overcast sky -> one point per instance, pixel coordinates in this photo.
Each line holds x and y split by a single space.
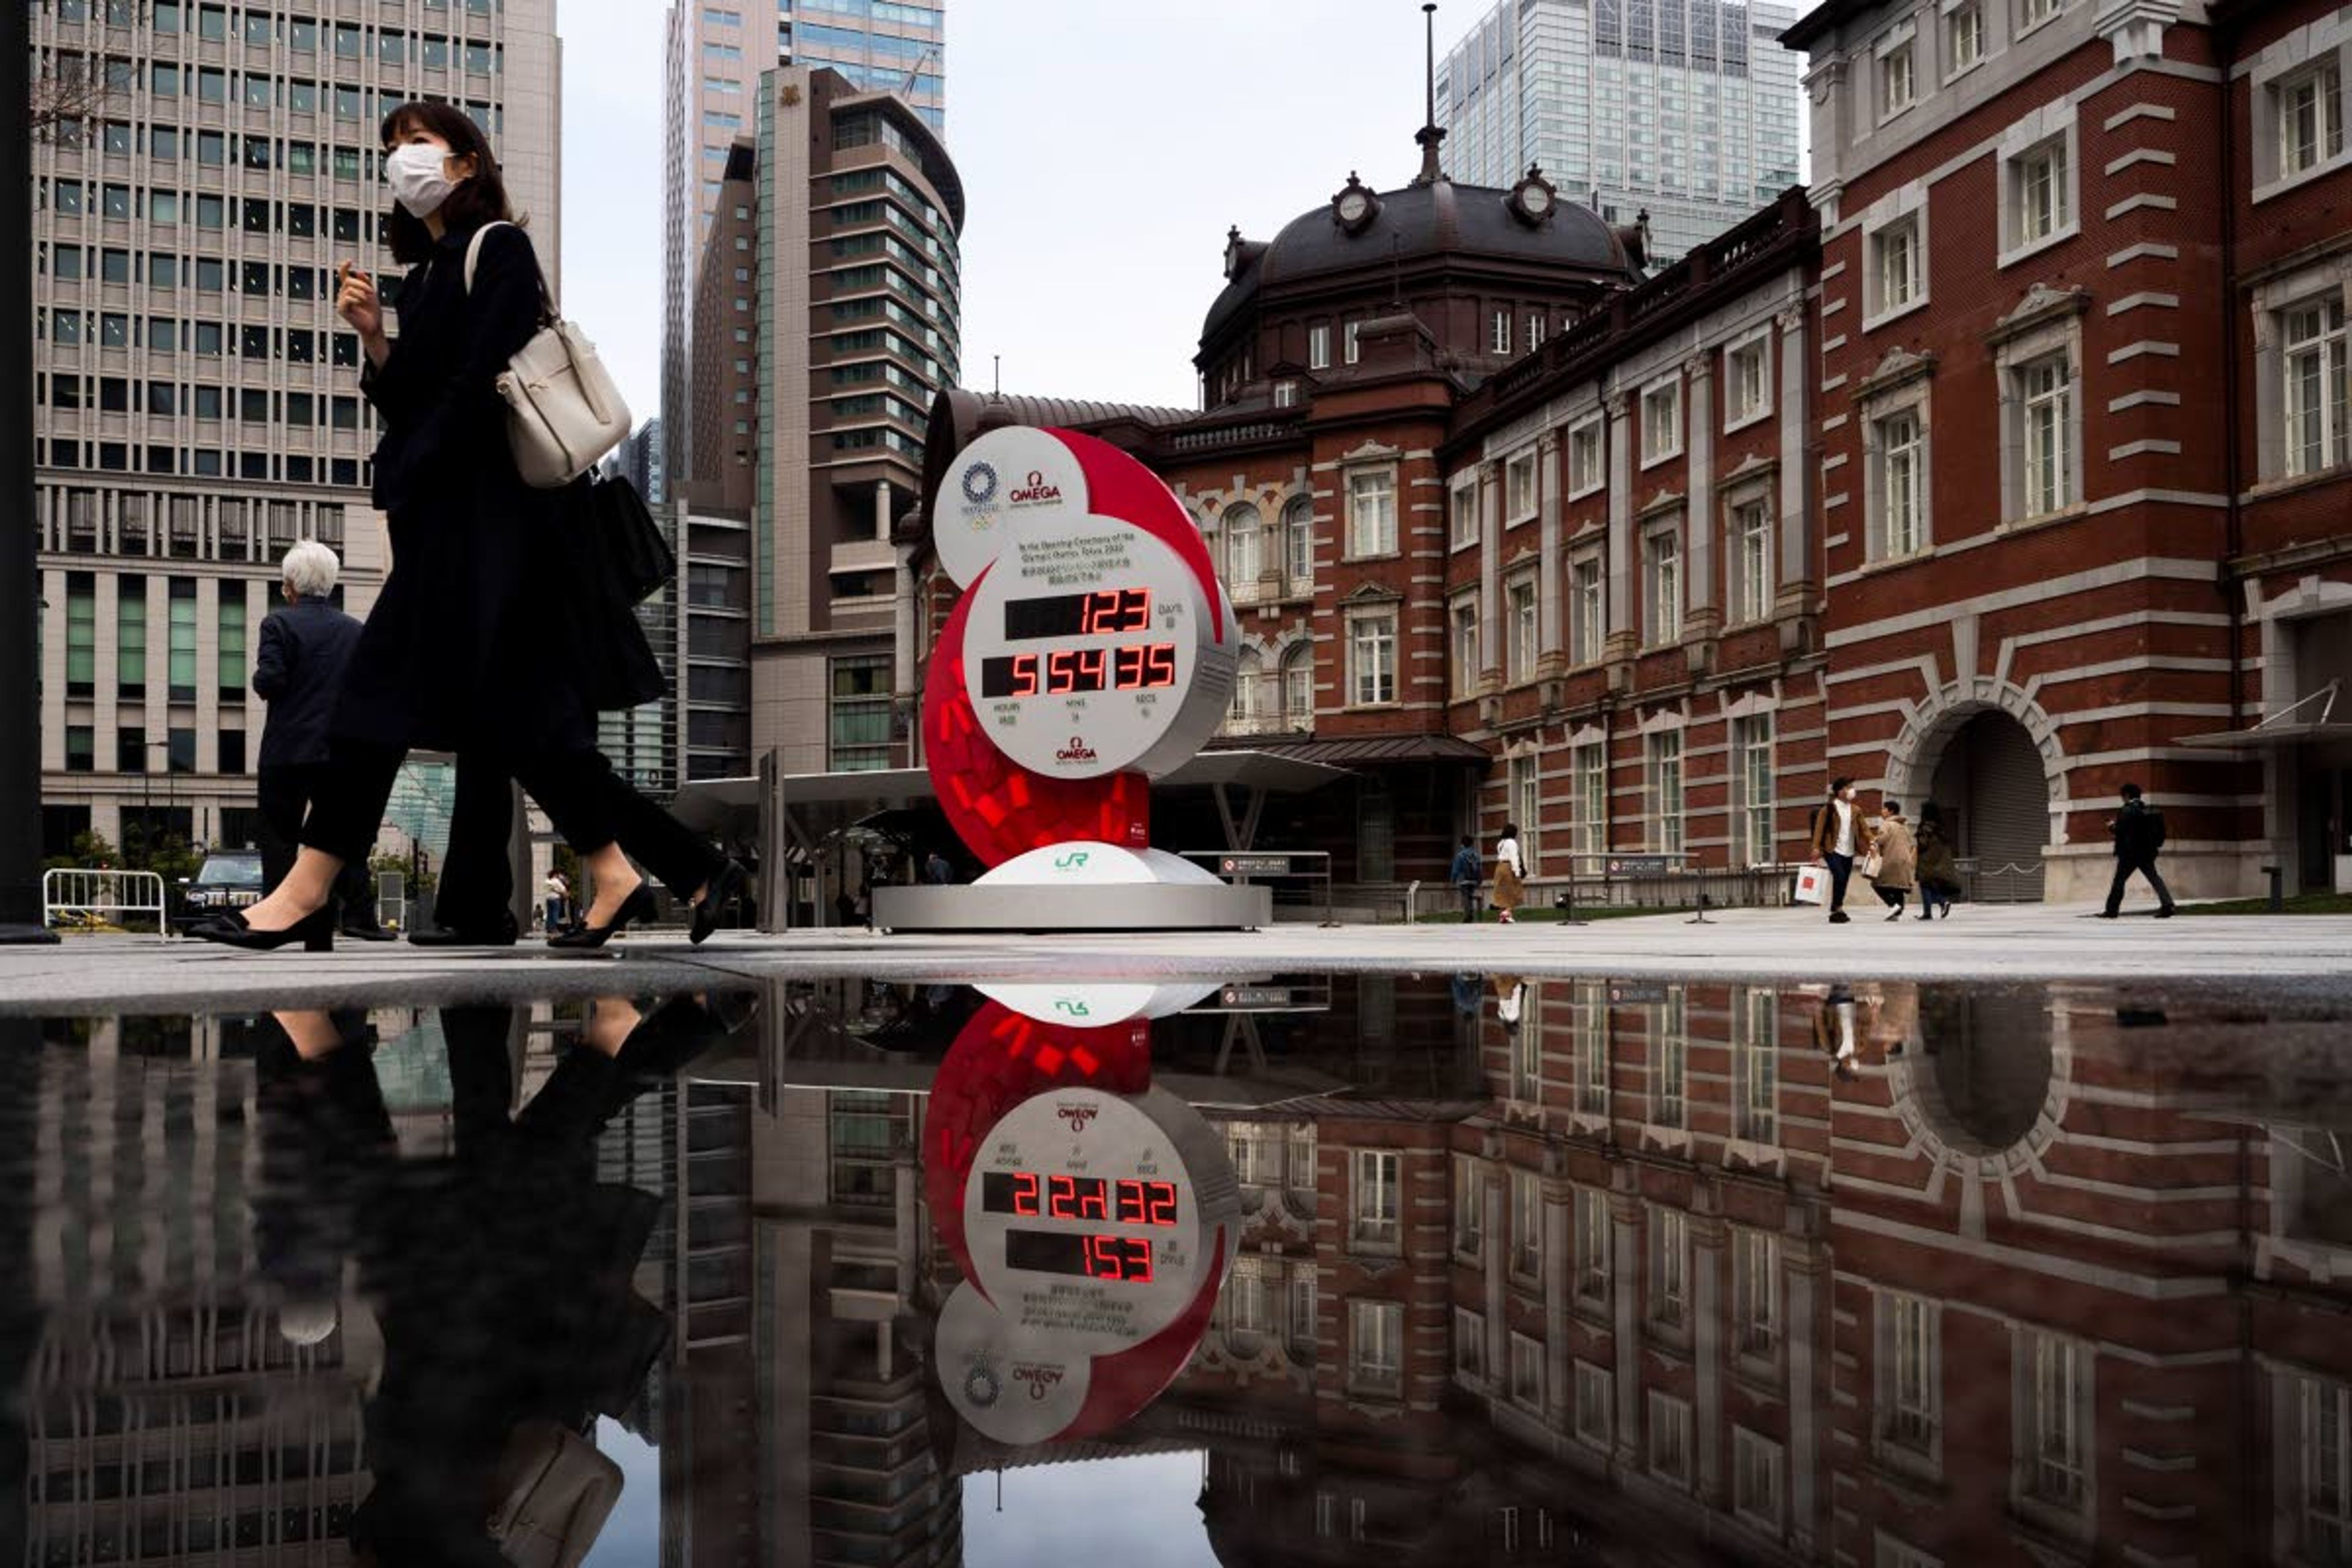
1105 147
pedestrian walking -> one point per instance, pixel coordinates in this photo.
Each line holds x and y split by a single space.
1840 837
482 637
1939 873
298 670
2139 832
1510 875
1893 858
1465 875
559 896
473 900
937 871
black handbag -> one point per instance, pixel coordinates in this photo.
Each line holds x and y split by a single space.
637 557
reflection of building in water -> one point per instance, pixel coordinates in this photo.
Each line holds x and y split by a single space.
168 1416
2070 1301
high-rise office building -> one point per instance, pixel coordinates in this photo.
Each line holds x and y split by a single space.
197 402
856 297
1686 109
715 54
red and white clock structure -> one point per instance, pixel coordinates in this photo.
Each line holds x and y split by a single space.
1093 1216
1093 650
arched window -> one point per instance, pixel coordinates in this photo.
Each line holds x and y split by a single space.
1298 544
1244 555
1298 688
1249 694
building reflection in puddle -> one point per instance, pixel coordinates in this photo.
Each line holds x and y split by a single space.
1461 1268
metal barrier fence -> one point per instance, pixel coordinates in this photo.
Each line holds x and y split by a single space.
73 899
1311 867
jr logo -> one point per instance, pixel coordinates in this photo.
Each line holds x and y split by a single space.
1073 1007
1076 860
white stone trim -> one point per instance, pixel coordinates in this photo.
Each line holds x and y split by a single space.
2138 448
2145 396
2308 47
2146 300
2052 124
2138 155
2130 253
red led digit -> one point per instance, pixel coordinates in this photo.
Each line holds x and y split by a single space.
1025 1193
1160 663
1024 675
1061 1198
1091 1204
1127 668
1131 1210
1061 671
1135 609
1104 1258
1164 1203
1090 668
1139 1259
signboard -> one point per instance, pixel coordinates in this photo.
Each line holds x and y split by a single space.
1253 866
1643 864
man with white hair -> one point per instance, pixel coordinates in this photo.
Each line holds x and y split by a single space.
298 671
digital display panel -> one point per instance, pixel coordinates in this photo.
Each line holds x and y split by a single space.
1030 1194
1138 666
1122 1259
1107 610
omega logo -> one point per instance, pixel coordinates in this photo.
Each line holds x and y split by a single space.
1077 751
1035 490
1077 1116
1038 1378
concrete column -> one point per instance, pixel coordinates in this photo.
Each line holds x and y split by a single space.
1795 410
1708 1238
1558 1253
1497 1259
106 692
1490 577
1626 1303
1619 641
1551 643
882 510
208 597
1701 618
902 627
1805 1269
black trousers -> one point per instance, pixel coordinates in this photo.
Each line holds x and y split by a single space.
588 803
2146 866
477 885
1841 873
1893 898
1469 901
283 792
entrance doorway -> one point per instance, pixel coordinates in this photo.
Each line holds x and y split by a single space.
1995 801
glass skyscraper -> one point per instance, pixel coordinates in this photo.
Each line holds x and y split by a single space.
1688 109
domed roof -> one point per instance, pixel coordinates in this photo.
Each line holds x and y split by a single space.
1423 219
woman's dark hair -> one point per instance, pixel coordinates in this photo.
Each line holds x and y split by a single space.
475 202
1510 830
1837 786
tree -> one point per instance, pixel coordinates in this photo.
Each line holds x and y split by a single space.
72 87
90 852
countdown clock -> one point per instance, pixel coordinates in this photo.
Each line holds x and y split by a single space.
1093 648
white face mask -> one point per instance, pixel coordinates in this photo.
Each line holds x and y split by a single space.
414 172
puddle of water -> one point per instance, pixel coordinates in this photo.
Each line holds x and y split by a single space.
1463 1267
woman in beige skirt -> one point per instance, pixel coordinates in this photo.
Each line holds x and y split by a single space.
1510 876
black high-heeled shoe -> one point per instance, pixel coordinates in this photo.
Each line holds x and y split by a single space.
638 906
726 884
315 931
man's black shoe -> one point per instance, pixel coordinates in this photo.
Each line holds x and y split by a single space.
367 933
503 934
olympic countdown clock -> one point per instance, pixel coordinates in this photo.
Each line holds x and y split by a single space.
1092 650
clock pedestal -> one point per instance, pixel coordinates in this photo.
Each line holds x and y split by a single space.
1081 886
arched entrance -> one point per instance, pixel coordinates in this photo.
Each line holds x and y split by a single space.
1991 785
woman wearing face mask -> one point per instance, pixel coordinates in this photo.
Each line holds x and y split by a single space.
467 647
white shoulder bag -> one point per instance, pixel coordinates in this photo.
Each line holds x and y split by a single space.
563 410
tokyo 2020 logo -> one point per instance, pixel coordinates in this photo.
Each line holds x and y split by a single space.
979 484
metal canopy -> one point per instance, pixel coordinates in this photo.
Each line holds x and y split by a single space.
2263 737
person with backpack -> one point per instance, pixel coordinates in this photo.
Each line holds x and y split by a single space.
2139 834
1939 871
1465 877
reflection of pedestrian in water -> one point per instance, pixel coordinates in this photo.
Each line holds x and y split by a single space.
1469 992
500 1278
1510 1002
1837 1028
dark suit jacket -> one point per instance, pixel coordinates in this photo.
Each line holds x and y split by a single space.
299 673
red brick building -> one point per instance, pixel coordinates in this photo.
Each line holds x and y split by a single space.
2011 463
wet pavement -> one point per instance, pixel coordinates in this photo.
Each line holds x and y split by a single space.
1435 1268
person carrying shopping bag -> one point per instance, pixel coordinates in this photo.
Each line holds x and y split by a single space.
1840 837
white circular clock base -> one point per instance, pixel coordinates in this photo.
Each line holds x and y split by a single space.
1083 885
1131 907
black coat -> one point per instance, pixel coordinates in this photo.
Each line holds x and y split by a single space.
481 636
2136 832
298 671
